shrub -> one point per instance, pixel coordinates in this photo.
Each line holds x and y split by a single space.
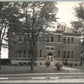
75 64
70 64
65 62
58 65
47 63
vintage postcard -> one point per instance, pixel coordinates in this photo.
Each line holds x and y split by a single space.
42 42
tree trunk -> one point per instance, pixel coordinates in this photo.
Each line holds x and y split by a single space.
32 55
32 59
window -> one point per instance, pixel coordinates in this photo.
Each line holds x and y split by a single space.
47 48
29 63
58 38
51 59
68 54
72 54
59 54
52 39
19 53
52 48
64 40
40 63
40 53
20 38
48 58
58 26
47 38
29 53
24 53
68 40
72 39
64 28
64 56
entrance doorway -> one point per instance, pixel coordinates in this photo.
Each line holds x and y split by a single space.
50 57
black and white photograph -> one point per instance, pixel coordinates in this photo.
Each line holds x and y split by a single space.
42 42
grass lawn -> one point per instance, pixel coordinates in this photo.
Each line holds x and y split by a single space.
9 69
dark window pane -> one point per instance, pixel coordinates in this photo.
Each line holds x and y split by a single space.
68 54
64 54
20 39
47 38
58 38
72 39
47 48
20 53
52 48
51 58
40 53
59 54
68 41
52 39
24 53
72 54
64 40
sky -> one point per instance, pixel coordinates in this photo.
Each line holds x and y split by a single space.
65 14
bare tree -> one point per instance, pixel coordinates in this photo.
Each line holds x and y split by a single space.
30 17
38 16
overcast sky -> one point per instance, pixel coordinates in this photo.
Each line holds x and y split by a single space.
65 13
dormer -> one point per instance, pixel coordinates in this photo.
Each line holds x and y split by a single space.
61 27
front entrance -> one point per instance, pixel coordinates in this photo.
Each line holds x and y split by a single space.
50 58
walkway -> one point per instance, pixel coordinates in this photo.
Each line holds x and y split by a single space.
73 70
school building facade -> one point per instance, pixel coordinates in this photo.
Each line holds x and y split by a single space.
61 45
